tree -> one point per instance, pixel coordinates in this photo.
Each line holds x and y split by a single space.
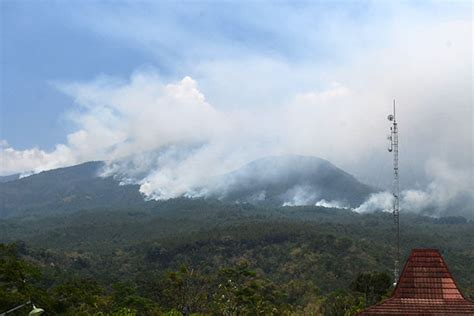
81 296
186 290
18 279
374 285
242 292
342 303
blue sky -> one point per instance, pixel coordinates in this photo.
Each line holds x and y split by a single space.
40 44
49 41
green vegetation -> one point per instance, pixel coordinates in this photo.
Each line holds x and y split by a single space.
206 257
270 181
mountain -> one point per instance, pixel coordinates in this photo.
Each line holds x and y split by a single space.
271 181
119 253
9 178
66 189
291 180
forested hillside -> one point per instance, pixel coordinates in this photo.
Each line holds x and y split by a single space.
235 158
65 190
290 180
208 257
270 181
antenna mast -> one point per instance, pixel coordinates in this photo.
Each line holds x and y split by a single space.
393 138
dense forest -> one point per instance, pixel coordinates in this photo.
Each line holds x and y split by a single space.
196 257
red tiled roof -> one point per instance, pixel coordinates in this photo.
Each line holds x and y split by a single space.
426 287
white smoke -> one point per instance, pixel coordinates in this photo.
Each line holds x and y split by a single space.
33 160
331 204
301 195
382 201
168 136
448 193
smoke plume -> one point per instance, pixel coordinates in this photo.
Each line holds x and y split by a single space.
171 135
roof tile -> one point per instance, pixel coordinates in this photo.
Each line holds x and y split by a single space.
426 287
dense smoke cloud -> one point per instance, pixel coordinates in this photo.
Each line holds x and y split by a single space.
448 193
171 135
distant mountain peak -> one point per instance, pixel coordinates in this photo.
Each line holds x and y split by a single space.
290 180
273 181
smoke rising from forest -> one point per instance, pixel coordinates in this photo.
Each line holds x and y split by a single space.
173 134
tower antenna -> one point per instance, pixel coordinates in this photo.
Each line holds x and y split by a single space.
393 148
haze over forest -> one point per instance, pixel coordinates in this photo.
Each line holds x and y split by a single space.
230 158
204 89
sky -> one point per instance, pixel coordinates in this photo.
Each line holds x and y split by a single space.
233 81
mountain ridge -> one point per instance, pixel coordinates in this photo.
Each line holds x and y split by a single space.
292 180
271 181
